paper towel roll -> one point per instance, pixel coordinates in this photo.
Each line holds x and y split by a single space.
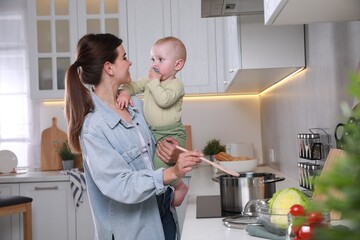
240 149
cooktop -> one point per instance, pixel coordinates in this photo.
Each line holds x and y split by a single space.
210 207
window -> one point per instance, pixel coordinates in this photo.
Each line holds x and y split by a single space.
15 103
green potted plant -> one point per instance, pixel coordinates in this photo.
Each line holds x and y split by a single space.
64 152
212 148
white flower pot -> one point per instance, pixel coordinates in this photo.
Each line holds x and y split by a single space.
68 164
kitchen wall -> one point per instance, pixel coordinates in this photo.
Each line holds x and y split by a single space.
309 100
230 119
271 121
312 98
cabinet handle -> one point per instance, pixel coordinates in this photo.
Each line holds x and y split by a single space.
46 188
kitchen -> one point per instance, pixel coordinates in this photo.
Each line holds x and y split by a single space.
270 120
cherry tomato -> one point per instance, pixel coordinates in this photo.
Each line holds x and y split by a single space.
306 232
314 217
295 230
297 210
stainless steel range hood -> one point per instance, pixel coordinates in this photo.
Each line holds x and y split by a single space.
258 56
221 8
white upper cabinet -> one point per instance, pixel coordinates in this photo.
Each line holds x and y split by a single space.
258 56
284 12
54 27
149 21
199 36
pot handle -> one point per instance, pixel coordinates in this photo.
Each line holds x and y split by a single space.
274 180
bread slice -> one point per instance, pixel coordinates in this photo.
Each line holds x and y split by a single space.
223 156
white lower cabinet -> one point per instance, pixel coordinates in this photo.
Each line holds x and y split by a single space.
53 212
10 225
84 222
53 215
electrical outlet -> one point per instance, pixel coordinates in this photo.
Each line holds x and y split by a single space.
271 155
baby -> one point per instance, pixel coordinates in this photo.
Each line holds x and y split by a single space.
163 97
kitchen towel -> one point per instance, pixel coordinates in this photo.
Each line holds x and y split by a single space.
77 184
260 231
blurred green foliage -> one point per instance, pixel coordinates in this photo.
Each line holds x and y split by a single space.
345 178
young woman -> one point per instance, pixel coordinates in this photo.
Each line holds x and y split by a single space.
118 147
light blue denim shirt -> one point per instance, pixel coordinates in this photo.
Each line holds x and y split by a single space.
121 190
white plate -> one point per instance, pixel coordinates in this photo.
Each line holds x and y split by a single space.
8 161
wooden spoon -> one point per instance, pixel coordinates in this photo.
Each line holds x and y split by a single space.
233 173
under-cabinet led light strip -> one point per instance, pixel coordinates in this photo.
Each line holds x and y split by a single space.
213 96
282 81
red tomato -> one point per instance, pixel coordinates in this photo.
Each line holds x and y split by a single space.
297 210
314 217
306 232
295 230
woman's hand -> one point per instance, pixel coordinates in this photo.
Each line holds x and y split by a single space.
166 150
185 162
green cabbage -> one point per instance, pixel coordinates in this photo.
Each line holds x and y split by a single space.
281 202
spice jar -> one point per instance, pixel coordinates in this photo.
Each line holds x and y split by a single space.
304 227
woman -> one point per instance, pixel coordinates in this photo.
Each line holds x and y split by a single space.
117 147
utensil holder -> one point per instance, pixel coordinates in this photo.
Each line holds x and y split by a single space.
313 147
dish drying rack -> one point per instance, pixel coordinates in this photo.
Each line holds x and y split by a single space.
314 147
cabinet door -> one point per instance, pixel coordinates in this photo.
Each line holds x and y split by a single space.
55 28
53 209
84 221
10 225
101 16
53 32
232 47
198 34
147 22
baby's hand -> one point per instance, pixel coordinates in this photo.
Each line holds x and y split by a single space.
154 73
123 99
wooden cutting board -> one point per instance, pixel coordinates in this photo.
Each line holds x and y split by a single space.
188 143
50 160
334 155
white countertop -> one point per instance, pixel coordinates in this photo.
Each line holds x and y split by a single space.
38 176
33 176
213 228
201 184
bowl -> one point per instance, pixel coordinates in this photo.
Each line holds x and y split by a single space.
240 165
274 220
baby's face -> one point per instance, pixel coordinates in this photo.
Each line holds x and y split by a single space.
164 59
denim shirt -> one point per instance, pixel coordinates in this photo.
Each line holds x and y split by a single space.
121 190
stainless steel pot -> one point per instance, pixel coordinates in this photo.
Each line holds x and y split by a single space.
235 192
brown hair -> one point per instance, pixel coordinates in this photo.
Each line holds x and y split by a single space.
93 50
177 44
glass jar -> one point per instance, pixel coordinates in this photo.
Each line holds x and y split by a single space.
303 227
